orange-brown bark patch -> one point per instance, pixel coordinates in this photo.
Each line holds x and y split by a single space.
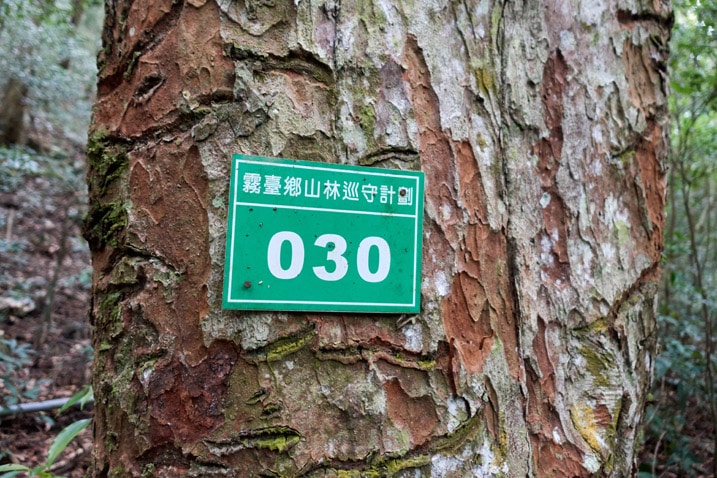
471 188
188 399
549 153
339 331
444 363
483 261
542 357
168 191
492 411
306 95
643 77
650 148
552 458
434 145
466 321
549 150
416 414
602 416
645 65
163 70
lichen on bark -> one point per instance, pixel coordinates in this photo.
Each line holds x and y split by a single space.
540 127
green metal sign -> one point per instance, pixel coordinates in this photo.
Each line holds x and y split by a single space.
307 236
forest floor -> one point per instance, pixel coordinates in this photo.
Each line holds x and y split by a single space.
45 279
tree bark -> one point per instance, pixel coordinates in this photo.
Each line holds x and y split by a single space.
541 129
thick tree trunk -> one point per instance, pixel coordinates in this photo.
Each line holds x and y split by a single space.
540 127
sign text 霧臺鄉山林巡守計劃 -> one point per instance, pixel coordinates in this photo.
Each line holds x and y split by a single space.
305 236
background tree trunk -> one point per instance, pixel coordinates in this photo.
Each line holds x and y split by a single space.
13 117
540 127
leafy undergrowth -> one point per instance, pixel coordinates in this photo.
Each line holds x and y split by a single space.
44 294
679 430
679 435
30 441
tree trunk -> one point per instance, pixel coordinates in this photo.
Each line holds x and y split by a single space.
13 115
540 127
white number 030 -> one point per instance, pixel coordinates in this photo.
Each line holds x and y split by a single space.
334 254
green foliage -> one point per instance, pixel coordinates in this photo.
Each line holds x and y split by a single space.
14 357
60 176
83 397
18 164
58 445
49 47
56 448
681 419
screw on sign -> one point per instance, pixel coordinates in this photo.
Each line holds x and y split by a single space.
322 237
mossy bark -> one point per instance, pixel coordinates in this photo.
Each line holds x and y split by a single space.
541 129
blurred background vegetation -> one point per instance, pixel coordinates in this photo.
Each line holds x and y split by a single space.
47 80
47 83
680 431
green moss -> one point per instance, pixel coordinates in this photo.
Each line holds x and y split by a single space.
486 83
132 64
201 111
117 472
385 468
466 432
149 471
627 157
583 418
424 364
610 433
122 390
105 223
288 345
597 365
125 272
278 443
111 441
596 328
496 166
124 372
622 230
347 473
501 450
107 161
278 439
394 466
367 121
496 18
109 314
481 141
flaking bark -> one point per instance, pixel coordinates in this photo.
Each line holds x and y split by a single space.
541 129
